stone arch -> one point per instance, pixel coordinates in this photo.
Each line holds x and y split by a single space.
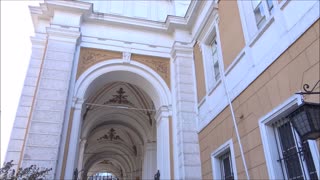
134 73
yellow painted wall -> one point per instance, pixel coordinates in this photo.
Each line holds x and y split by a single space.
298 65
231 34
198 62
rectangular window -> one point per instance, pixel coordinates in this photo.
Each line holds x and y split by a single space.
259 12
223 162
226 166
294 155
261 9
270 5
215 60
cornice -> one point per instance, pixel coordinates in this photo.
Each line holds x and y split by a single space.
45 11
126 21
196 17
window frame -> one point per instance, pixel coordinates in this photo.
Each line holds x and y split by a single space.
268 137
215 159
248 19
297 142
211 36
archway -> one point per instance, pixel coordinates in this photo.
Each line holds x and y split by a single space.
121 117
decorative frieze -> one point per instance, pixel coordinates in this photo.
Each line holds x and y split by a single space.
158 64
90 57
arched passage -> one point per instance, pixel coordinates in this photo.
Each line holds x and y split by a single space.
120 107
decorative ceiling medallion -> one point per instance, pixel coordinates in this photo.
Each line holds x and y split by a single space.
110 136
120 98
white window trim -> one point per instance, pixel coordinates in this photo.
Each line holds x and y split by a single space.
205 43
269 140
248 22
215 155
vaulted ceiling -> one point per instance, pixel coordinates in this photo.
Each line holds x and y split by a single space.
117 122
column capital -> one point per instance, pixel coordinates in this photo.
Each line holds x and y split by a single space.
38 41
77 103
63 34
162 112
82 141
180 49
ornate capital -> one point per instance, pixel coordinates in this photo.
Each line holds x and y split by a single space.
162 112
77 103
63 34
182 50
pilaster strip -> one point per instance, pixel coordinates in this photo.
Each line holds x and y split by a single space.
32 105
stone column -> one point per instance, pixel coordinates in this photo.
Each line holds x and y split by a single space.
149 161
82 146
163 142
17 139
73 142
187 145
51 94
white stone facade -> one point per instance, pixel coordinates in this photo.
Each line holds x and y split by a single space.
51 88
52 127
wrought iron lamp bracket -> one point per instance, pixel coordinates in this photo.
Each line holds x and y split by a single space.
306 88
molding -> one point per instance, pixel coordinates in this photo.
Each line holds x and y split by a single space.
235 62
261 31
119 45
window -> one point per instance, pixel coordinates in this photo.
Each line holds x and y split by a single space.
211 54
223 162
226 166
215 60
262 10
256 16
287 157
295 156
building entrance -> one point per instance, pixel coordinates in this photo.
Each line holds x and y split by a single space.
121 121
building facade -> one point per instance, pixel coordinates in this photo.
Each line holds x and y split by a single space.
194 89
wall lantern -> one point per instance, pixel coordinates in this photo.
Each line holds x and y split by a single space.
306 120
